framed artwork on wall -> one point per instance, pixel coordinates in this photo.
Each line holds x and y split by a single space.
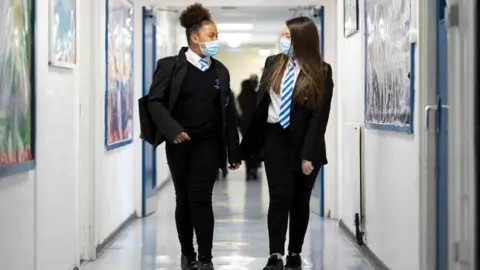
119 63
389 66
350 17
63 33
17 82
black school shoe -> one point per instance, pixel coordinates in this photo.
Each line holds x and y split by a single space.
204 264
274 263
294 262
189 262
253 174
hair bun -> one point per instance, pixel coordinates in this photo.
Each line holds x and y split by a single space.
194 14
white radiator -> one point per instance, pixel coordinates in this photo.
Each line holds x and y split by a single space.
351 165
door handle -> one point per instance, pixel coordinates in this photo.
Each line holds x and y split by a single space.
427 114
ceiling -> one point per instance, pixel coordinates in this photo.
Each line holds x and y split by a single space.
249 27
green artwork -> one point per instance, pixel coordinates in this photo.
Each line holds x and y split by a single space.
15 81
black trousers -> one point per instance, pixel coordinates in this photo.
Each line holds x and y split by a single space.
194 168
289 190
252 164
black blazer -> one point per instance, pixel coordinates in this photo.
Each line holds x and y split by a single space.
166 84
307 126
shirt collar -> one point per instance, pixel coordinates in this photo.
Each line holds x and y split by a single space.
292 63
195 58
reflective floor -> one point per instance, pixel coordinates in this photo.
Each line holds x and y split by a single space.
241 241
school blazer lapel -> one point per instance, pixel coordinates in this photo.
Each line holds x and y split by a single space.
224 84
294 101
178 77
263 86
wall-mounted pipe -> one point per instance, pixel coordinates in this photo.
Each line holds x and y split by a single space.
358 230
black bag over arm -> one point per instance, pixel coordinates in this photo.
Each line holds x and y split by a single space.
148 125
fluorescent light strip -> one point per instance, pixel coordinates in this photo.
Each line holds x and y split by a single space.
234 44
239 37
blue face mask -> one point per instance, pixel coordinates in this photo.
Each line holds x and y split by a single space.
286 47
211 48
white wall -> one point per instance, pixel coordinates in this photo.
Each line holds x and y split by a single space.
114 173
181 39
331 136
463 136
17 228
391 172
57 156
39 223
241 65
40 209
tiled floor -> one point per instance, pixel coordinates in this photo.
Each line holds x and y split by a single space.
240 235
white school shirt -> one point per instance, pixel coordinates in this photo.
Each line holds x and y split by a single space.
194 59
276 99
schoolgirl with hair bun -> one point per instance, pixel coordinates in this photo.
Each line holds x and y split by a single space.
191 107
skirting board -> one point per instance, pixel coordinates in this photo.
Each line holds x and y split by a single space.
114 234
369 255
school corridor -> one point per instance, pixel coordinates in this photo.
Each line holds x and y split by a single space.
240 238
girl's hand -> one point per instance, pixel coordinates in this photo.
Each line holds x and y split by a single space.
181 138
234 166
307 167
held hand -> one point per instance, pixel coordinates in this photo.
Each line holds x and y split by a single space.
181 138
307 167
234 166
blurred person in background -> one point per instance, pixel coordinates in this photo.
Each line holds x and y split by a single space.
247 101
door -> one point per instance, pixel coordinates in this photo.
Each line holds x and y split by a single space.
318 201
149 166
442 252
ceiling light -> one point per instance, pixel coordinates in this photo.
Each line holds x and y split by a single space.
233 44
264 52
234 26
234 37
235 50
228 8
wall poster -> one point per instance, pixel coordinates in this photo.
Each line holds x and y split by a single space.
389 63
63 33
16 86
119 63
350 17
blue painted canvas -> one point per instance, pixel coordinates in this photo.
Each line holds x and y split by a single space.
16 86
63 32
389 77
119 88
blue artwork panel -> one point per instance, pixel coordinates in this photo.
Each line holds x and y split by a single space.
389 76
16 86
119 90
63 32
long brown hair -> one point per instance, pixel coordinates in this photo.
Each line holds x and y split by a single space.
305 41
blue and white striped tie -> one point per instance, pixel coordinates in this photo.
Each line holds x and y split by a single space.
203 64
287 90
